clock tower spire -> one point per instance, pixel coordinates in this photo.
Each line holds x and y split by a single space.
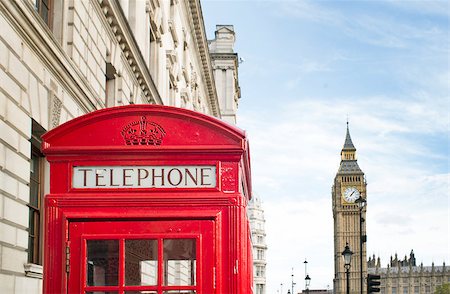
348 151
348 190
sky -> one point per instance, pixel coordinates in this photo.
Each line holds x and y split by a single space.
308 66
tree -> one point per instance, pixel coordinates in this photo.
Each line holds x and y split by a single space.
443 289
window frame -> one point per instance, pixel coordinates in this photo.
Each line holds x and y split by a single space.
36 194
39 4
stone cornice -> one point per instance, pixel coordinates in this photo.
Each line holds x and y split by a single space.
218 55
123 34
194 9
226 56
35 33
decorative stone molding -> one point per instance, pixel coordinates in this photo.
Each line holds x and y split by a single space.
172 56
223 67
193 80
185 74
173 32
55 111
184 95
118 23
204 56
172 67
152 8
33 270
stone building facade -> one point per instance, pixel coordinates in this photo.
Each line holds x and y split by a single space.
257 224
62 59
225 64
406 277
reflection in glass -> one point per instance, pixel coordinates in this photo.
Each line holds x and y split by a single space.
102 263
141 262
179 262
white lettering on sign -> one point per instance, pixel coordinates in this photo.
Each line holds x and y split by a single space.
95 177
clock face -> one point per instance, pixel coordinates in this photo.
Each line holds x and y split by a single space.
351 194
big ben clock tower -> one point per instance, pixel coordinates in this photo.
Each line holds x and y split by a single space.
349 211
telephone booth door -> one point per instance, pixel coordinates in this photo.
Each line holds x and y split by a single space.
152 257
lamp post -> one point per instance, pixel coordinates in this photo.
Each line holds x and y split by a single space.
307 282
292 283
306 274
362 238
347 255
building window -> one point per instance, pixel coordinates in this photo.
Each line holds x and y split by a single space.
416 289
405 290
260 254
259 289
394 290
155 42
43 7
36 196
110 85
260 240
260 271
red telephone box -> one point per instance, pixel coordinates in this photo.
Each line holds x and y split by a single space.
147 199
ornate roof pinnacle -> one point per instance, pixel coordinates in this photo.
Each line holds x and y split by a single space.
348 144
348 157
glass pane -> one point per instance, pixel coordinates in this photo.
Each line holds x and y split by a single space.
34 164
141 292
141 262
102 263
101 292
179 262
180 292
34 194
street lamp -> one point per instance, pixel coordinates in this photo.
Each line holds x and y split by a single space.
361 204
347 255
307 282
306 275
292 284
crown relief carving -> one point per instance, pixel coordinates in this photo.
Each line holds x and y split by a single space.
143 132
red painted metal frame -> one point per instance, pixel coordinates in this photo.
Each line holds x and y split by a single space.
190 138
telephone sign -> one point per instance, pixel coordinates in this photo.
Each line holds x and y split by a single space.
95 177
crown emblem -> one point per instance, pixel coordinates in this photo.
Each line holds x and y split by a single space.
143 133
